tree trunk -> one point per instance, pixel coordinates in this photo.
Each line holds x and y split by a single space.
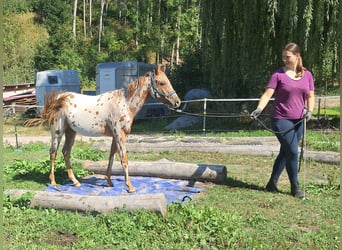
172 56
84 20
164 169
90 203
90 17
178 34
74 21
101 24
137 27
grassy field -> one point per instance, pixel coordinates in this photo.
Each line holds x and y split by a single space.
236 215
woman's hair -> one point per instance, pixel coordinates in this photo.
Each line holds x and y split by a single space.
294 48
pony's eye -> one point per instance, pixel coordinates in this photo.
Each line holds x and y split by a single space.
162 83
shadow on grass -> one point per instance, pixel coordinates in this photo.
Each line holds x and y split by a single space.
233 183
43 178
230 182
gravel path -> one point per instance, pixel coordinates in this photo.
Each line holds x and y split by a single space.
262 146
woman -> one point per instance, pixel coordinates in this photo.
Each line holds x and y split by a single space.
293 89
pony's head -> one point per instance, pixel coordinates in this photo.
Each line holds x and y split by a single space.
161 88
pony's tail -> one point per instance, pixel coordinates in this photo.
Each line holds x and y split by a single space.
53 104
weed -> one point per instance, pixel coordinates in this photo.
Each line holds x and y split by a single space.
24 201
86 153
323 141
313 188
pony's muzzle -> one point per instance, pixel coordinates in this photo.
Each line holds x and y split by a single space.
177 103
174 101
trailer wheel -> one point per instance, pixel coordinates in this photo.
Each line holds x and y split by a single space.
32 113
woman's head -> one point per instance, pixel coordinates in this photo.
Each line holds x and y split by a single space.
292 58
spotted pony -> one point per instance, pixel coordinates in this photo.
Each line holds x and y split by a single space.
109 114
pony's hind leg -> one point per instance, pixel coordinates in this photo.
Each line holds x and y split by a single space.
69 142
53 154
56 138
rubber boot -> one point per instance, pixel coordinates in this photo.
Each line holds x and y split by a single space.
272 186
297 192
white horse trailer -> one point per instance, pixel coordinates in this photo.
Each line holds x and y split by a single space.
116 75
59 80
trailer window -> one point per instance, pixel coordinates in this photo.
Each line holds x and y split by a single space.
53 79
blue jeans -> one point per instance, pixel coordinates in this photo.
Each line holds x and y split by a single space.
289 137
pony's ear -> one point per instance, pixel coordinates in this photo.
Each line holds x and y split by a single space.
159 68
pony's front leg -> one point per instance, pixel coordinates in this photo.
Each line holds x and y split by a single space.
69 142
124 164
116 146
113 149
124 161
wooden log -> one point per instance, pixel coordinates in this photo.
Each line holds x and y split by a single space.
87 203
164 169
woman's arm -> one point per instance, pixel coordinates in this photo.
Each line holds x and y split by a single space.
264 99
311 101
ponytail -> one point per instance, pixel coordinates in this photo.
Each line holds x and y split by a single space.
300 68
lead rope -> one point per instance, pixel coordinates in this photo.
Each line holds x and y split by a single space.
304 157
237 116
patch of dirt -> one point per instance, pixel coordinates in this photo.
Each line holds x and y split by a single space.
60 238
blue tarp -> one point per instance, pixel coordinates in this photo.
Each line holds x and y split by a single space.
179 191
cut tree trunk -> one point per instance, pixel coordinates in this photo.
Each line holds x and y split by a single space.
88 203
163 169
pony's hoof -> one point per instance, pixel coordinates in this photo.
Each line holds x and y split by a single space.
110 184
131 190
77 184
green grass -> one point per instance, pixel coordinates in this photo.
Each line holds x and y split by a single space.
323 141
332 111
15 125
235 215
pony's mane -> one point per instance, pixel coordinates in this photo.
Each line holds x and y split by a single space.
133 86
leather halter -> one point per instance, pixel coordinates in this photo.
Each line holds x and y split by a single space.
156 91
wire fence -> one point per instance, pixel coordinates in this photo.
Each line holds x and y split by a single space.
240 109
210 114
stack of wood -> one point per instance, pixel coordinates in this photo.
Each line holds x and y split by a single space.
19 98
21 103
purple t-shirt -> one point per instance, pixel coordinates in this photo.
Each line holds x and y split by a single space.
290 95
